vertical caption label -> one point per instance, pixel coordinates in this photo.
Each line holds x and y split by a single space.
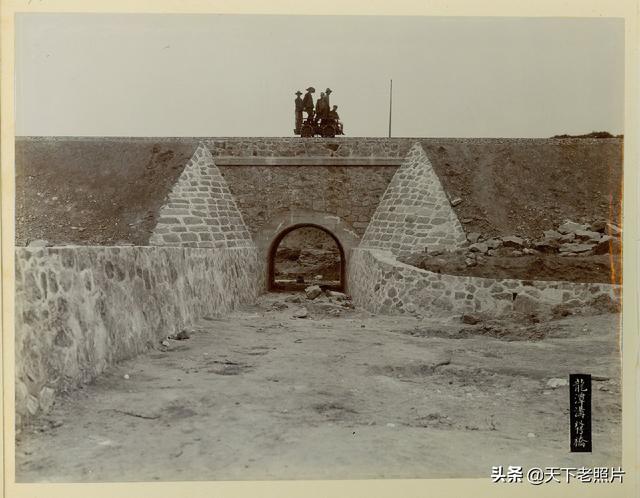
580 412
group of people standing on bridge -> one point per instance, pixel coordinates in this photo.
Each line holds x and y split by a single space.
322 110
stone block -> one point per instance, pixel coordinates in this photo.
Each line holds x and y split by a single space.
188 237
171 238
166 220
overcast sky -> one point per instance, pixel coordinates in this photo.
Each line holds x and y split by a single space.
221 75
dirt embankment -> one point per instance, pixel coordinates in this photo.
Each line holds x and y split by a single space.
93 192
525 187
105 191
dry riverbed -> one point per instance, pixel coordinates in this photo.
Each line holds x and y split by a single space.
340 394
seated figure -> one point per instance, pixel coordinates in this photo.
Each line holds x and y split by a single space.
333 115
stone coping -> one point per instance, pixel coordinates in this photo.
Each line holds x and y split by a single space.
208 139
307 161
129 246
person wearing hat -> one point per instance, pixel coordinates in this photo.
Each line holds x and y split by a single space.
307 103
333 114
321 107
298 102
327 92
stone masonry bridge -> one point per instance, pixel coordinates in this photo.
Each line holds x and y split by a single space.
134 237
411 210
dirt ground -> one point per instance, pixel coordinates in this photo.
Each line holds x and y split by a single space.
339 394
604 268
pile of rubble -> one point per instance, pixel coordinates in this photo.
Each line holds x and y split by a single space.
321 302
569 239
315 292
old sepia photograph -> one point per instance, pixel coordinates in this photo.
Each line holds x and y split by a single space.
288 247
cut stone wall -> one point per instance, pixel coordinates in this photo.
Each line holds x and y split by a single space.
380 283
350 192
80 309
415 212
286 221
200 211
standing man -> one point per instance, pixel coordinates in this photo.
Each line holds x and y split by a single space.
327 92
299 108
307 103
321 110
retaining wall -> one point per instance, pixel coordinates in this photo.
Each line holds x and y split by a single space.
80 309
380 283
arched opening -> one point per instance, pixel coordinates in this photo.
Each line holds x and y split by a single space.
306 254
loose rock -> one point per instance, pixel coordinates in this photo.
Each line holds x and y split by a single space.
181 336
588 235
493 243
479 247
512 241
571 227
575 248
547 246
557 382
598 226
313 291
278 306
473 237
301 313
552 235
337 295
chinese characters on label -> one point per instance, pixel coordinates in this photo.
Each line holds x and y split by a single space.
580 412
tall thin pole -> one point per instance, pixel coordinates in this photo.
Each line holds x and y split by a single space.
390 100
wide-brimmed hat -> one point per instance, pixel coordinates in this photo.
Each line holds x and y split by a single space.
298 92
311 89
328 90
